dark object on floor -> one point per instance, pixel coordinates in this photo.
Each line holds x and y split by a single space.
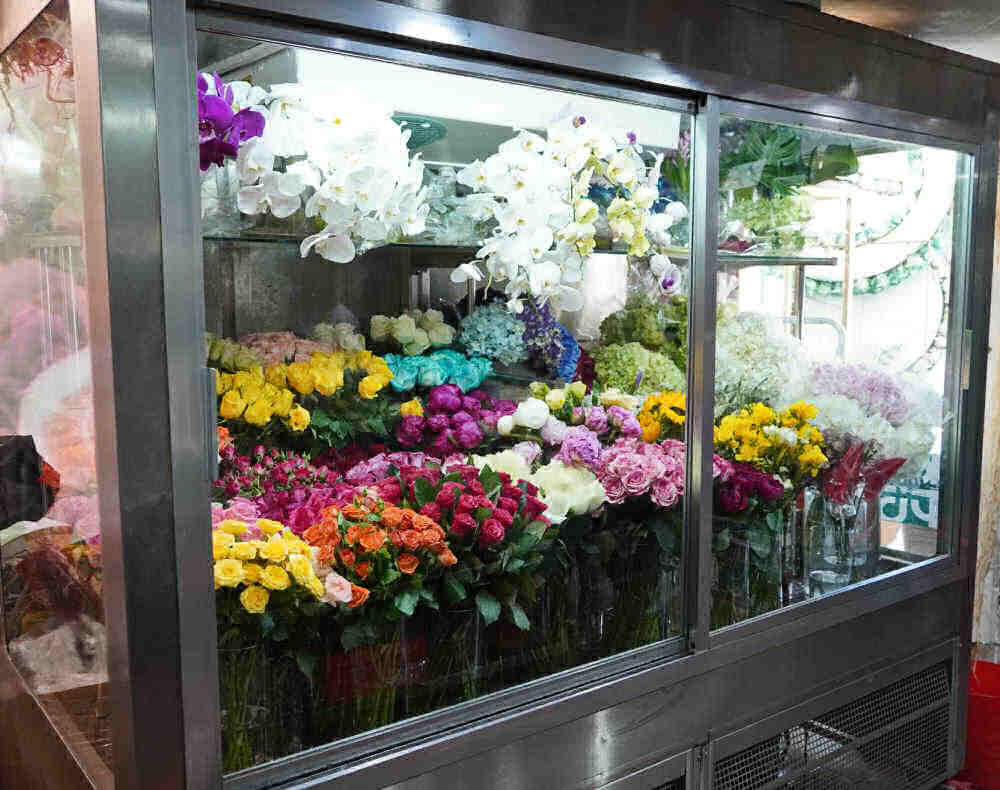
27 485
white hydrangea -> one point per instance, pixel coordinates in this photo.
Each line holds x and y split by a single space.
752 355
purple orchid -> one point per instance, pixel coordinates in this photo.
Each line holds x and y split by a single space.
221 130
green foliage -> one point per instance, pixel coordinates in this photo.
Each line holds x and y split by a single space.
770 160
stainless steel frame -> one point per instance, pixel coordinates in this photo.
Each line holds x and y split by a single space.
635 720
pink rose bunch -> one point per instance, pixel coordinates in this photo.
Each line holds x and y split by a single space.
633 468
273 348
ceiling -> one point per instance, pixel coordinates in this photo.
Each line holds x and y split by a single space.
969 26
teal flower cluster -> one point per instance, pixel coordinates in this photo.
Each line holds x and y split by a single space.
632 368
441 367
493 332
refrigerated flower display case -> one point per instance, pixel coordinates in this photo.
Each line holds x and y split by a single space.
396 398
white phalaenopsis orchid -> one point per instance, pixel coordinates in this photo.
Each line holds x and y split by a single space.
546 221
350 154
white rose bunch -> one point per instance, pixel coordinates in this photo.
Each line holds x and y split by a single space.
567 490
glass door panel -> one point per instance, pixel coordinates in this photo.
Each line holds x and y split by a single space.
834 376
449 326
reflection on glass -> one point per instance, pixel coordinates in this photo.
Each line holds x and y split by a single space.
451 350
834 274
50 537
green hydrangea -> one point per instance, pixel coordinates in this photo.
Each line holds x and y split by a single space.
618 365
657 326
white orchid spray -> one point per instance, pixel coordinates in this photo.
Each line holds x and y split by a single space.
546 222
351 157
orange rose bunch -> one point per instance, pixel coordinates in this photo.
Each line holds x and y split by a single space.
379 550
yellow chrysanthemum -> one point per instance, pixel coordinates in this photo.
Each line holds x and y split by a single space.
229 573
223 383
254 599
650 428
274 577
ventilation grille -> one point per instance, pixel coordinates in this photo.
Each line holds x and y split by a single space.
892 739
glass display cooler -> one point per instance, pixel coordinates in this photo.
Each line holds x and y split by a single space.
487 396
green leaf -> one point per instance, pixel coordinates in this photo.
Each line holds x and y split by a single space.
454 589
356 635
490 480
481 513
406 601
319 419
531 535
423 492
720 541
488 605
520 618
390 575
760 541
665 535
775 521
515 565
307 665
266 624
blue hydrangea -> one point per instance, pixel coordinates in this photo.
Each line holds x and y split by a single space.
493 332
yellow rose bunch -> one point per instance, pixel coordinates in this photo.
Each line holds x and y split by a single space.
781 443
279 562
662 415
256 395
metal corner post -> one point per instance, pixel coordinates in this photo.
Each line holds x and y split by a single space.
701 373
143 245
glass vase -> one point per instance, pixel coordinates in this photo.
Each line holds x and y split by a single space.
747 568
220 217
844 543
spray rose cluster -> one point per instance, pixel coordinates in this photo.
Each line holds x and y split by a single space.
634 468
279 485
